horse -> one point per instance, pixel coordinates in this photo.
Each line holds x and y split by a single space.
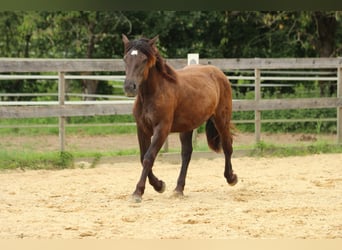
169 100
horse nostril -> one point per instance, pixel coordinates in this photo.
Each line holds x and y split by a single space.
130 88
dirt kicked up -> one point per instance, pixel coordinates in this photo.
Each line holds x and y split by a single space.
293 197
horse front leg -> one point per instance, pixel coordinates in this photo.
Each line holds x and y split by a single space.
144 144
148 154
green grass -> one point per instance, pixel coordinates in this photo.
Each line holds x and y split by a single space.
75 125
263 149
53 160
32 160
57 160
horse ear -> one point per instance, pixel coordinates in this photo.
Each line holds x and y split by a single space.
154 40
125 39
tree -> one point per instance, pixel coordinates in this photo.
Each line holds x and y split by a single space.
213 34
90 34
326 27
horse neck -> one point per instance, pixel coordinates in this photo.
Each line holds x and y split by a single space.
152 82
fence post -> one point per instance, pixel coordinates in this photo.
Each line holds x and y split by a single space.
339 109
257 97
61 101
193 58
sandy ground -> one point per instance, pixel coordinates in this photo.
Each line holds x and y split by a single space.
293 197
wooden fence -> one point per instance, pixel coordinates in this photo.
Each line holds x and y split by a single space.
310 69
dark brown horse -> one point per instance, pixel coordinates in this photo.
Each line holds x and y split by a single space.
175 101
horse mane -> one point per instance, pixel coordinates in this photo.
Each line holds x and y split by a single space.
154 58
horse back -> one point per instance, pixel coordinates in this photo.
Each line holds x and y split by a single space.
202 90
205 79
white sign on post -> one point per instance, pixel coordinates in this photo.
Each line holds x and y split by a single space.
193 58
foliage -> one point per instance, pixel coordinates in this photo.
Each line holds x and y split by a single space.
213 34
64 160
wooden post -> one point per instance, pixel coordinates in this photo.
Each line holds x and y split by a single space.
61 100
257 97
193 58
339 109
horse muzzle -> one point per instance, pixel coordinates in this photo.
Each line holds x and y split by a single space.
130 88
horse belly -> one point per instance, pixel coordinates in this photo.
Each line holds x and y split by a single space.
184 124
192 115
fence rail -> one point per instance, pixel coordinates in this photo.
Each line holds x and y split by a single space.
318 69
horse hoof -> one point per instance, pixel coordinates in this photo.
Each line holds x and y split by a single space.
136 198
163 188
177 194
233 180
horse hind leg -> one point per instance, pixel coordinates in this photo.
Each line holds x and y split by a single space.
223 128
186 141
231 178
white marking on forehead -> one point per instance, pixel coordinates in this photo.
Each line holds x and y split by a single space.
134 52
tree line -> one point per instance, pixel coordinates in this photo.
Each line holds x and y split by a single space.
212 34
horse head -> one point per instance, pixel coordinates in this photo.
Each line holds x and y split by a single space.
140 56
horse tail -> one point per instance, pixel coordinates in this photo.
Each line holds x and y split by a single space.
213 137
